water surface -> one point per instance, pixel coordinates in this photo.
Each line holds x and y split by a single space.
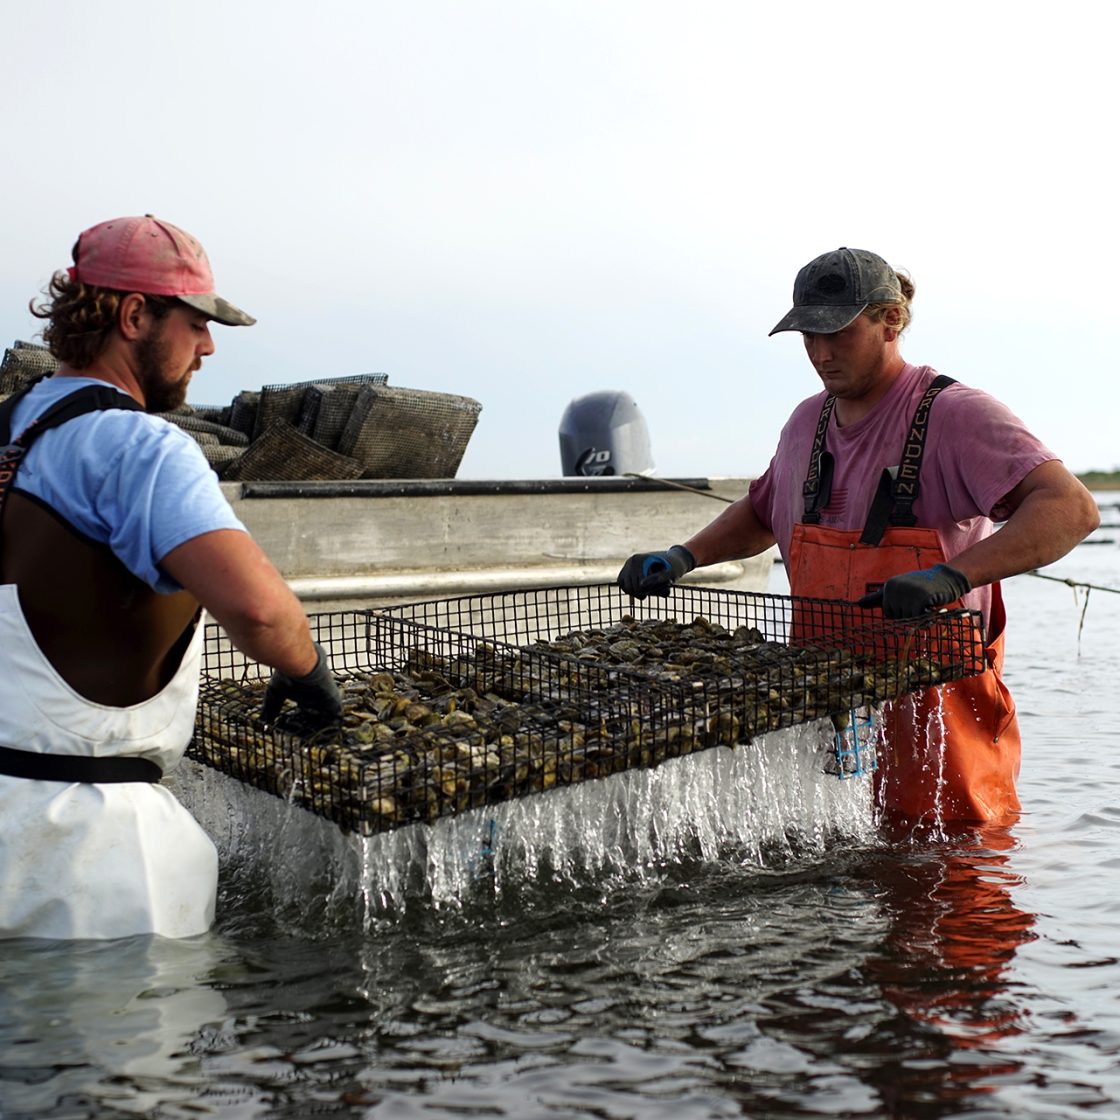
781 958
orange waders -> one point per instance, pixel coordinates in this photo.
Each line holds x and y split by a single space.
951 753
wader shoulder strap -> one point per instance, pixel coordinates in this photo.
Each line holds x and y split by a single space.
50 767
817 490
91 398
897 492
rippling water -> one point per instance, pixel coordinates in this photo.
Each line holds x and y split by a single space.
760 953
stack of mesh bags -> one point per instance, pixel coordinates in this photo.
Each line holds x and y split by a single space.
324 429
353 427
23 363
208 426
294 430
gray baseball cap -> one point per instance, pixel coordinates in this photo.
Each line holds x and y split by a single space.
833 289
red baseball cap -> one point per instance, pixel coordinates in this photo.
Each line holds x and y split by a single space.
154 258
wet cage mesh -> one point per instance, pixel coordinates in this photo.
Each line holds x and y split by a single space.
460 703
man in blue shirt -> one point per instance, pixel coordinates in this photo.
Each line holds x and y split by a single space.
113 533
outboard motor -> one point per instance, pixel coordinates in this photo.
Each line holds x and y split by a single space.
604 434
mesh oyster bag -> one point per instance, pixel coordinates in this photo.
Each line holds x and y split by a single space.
23 363
283 452
214 413
196 426
326 409
286 402
221 455
243 412
409 433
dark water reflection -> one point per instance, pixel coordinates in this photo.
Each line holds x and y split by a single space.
876 984
944 968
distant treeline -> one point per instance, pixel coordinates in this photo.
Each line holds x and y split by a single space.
1101 480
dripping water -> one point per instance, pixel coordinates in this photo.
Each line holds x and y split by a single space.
760 804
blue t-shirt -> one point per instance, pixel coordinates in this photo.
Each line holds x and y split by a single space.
126 479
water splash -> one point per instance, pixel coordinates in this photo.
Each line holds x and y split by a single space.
930 743
758 804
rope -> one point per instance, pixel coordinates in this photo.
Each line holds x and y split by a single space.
680 486
1074 583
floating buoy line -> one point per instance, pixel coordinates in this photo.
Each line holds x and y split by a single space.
1074 583
1077 585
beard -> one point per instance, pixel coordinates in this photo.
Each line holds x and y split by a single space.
162 391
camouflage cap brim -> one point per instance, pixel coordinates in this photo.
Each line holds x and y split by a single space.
819 320
218 309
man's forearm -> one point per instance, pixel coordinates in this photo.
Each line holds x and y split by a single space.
282 641
736 534
238 585
1052 513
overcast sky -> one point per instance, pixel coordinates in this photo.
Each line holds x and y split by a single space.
525 201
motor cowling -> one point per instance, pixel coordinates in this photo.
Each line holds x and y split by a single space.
604 434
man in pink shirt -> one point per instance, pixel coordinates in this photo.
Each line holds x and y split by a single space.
883 490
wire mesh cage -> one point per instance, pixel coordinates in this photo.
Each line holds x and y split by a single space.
455 704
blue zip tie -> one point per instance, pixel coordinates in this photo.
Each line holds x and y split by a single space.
482 864
854 746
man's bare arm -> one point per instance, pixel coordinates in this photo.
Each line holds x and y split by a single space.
736 534
1051 511
229 574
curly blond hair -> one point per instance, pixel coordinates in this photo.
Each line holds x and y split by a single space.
896 313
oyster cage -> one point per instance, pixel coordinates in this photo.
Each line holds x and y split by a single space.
455 704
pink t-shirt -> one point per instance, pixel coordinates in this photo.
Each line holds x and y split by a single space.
977 451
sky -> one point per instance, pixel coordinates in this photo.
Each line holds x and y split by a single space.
525 201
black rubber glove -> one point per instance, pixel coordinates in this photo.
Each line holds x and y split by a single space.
915 593
316 694
653 573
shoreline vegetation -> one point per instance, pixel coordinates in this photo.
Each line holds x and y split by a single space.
1100 480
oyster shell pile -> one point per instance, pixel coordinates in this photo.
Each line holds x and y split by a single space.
411 746
785 683
472 722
